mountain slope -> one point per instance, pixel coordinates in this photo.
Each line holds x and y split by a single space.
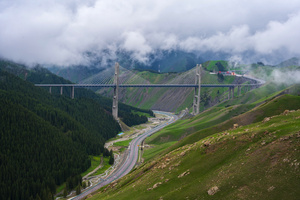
39 74
46 139
256 161
171 99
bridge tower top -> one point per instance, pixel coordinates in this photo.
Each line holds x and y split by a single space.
116 91
196 102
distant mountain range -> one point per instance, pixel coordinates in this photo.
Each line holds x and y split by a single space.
162 61
295 61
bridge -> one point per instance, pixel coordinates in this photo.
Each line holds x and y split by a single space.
116 85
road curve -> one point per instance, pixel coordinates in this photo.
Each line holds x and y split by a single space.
131 159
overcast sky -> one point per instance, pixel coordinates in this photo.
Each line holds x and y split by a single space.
61 31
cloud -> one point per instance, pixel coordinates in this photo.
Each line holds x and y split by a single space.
135 42
61 32
286 77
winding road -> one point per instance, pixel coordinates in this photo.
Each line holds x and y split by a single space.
132 157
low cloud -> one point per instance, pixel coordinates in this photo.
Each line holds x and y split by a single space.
136 43
286 77
62 32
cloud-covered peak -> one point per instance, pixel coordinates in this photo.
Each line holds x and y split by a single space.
61 32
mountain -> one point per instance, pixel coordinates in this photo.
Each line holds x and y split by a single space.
290 62
46 139
170 61
39 74
160 61
75 73
173 99
244 148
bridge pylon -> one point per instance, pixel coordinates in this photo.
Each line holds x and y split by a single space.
116 92
196 102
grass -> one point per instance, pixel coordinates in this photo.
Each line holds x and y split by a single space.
104 168
211 65
60 188
95 162
141 113
155 150
124 143
257 161
206 123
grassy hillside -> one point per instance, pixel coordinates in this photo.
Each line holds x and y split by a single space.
216 65
171 99
223 116
255 161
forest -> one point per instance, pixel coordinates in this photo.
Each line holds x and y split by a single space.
46 139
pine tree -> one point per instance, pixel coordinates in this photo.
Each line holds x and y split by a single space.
111 160
78 190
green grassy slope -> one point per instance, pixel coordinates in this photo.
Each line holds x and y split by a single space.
170 99
216 65
257 161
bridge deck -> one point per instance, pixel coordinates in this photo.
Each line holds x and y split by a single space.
143 85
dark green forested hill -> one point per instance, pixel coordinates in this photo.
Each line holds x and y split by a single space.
39 74
46 138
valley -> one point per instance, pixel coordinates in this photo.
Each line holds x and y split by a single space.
143 100
224 150
126 160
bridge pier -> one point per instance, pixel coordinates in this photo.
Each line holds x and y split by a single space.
239 90
50 88
196 102
230 93
72 92
116 91
61 90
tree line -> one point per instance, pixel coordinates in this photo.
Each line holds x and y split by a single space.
46 140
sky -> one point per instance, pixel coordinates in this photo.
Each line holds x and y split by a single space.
55 32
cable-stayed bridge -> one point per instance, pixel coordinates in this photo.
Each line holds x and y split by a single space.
119 77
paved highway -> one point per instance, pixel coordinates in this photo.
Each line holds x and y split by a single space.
132 157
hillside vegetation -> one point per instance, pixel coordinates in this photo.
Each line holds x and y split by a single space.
257 160
243 148
251 162
46 139
38 75
171 99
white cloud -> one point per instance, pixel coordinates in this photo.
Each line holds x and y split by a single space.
60 32
287 77
135 42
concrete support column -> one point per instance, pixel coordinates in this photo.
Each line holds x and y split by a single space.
197 90
232 94
116 91
239 90
50 88
72 93
61 90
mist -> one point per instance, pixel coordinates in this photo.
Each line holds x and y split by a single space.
53 32
286 77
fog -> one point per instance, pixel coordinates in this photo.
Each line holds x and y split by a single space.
62 32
